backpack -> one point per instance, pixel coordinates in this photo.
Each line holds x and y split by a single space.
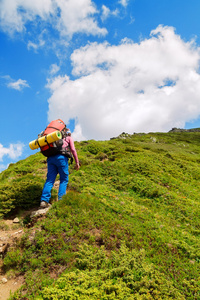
55 147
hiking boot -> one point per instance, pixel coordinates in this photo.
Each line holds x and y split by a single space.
44 204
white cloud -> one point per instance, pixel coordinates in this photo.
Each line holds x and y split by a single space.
13 151
14 14
18 85
54 68
36 45
78 16
124 2
68 17
77 134
153 85
3 167
106 13
15 84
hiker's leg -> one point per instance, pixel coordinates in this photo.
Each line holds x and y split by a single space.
64 173
51 176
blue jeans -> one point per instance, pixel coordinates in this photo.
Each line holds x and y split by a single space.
56 164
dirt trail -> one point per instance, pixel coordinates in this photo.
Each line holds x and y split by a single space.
10 287
9 232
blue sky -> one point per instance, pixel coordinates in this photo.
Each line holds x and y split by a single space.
104 67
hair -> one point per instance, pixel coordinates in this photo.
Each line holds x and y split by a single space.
68 133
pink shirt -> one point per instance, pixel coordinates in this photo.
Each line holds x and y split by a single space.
69 141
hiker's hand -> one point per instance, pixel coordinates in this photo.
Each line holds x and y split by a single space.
77 167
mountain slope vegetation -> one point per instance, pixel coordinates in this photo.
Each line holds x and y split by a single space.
128 227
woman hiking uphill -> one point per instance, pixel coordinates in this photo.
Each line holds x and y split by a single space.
58 164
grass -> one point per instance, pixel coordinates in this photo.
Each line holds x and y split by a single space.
128 227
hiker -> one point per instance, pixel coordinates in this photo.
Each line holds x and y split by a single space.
59 164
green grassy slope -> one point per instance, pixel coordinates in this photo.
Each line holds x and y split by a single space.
128 227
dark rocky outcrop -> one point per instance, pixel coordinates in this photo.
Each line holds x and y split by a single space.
184 130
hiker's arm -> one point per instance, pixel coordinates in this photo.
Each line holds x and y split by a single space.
74 153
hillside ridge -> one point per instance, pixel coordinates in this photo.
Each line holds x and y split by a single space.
174 129
128 226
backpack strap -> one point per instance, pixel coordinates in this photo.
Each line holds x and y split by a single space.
37 142
46 141
52 127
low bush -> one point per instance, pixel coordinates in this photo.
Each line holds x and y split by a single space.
22 194
121 275
128 227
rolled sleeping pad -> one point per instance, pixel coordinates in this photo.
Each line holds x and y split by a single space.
51 137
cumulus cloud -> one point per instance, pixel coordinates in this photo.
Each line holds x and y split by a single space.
54 68
153 85
15 84
3 167
15 14
13 151
36 45
18 85
68 17
106 13
124 2
78 16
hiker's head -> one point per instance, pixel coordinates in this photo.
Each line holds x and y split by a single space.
69 132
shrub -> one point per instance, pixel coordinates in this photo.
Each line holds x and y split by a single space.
21 194
122 275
